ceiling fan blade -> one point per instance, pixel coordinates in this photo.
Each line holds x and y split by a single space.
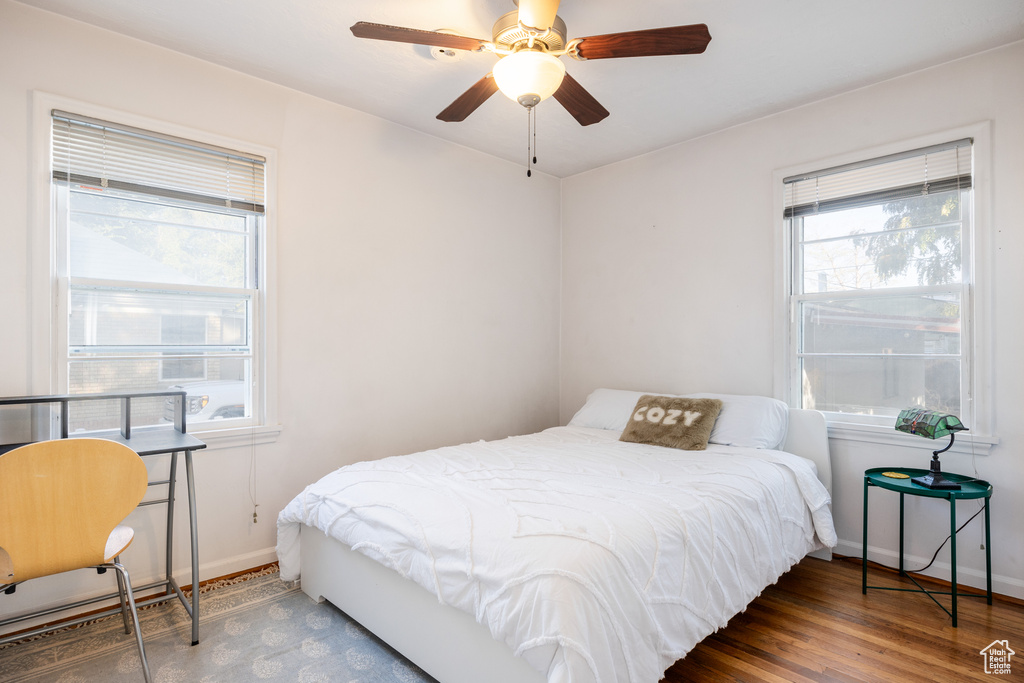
538 14
398 34
672 40
578 102
467 103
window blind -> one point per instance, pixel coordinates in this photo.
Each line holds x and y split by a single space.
89 151
938 168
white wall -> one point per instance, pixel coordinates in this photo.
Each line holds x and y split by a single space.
410 312
669 278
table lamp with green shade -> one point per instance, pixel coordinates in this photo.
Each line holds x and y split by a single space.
931 424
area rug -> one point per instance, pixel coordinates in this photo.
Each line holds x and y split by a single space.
255 628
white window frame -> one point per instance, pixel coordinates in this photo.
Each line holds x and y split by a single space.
976 338
48 288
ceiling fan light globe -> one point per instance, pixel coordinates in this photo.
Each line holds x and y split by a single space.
529 73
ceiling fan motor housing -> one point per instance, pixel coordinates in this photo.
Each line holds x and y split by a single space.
508 33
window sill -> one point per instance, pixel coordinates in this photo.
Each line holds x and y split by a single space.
237 436
966 442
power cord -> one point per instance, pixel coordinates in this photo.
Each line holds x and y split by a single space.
930 562
937 550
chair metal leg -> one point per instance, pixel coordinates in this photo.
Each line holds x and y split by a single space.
120 595
123 573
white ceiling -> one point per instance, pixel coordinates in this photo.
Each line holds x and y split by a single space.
764 57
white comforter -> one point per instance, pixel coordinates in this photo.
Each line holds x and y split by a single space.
593 559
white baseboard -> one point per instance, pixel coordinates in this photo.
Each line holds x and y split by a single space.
231 565
223 567
967 576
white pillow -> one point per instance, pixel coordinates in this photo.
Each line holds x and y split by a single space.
747 421
607 409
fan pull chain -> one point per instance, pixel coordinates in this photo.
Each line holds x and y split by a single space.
531 139
529 144
533 114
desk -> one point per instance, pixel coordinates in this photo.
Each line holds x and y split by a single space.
149 441
970 489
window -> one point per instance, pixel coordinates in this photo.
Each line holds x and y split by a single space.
879 284
158 265
183 330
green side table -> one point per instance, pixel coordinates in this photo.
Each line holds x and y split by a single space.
969 489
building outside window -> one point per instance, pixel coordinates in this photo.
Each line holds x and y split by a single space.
183 330
879 284
159 272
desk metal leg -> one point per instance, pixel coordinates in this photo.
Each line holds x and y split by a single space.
988 555
952 552
902 573
194 535
172 478
864 548
194 539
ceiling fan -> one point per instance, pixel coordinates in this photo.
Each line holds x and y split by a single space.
529 42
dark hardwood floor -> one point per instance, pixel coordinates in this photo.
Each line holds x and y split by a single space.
815 625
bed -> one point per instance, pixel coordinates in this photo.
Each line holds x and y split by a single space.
566 555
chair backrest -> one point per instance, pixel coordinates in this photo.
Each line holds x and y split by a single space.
59 501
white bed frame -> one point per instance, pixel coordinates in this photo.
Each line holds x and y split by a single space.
445 642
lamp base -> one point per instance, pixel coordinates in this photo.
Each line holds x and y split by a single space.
935 480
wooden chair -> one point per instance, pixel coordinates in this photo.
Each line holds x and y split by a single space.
61 507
